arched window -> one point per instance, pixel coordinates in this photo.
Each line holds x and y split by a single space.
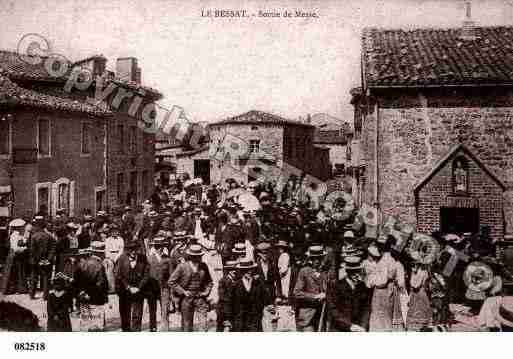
460 175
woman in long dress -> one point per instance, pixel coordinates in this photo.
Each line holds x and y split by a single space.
420 313
387 280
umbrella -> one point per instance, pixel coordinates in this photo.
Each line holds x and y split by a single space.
249 202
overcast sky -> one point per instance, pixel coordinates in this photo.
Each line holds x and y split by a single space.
218 67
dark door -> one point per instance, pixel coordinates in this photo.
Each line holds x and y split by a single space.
459 220
202 170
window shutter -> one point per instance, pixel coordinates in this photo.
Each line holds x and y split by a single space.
54 198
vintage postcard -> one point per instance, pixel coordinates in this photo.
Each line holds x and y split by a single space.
256 166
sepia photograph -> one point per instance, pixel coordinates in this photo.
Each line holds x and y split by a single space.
255 166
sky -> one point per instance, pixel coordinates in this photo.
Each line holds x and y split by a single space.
219 67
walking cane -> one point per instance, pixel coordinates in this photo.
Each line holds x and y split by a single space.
323 312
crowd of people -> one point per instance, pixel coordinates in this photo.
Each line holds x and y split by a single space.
278 250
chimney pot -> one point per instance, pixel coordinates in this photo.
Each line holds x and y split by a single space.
126 68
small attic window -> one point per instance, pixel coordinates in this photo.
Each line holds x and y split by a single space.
254 128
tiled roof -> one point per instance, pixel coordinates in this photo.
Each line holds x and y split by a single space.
259 117
15 67
12 95
424 57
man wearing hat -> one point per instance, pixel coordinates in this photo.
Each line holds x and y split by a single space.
310 290
225 296
267 269
42 254
348 298
90 282
249 298
158 289
131 279
192 283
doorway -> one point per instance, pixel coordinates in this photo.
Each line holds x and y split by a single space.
459 220
202 170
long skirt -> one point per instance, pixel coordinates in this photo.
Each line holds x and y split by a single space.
419 312
381 310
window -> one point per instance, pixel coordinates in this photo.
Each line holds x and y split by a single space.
121 139
119 187
63 196
5 132
43 198
86 138
100 200
254 146
43 137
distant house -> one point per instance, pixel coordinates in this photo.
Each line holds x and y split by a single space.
264 140
335 137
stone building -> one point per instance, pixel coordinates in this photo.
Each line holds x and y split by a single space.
119 168
335 137
46 143
434 129
263 141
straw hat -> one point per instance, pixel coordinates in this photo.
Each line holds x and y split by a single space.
352 263
282 243
263 246
195 250
316 251
228 265
18 222
239 248
246 264
348 234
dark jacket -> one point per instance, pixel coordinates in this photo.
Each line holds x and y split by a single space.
90 277
41 247
224 305
125 276
181 277
272 281
347 306
158 274
247 307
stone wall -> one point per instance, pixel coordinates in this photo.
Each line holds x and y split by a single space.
271 146
416 130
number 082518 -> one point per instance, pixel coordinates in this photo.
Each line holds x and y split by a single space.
29 346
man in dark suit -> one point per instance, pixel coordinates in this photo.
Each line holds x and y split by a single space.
192 283
348 298
131 278
41 257
249 298
267 269
225 295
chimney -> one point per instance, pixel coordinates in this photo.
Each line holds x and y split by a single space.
126 69
309 119
138 75
468 31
